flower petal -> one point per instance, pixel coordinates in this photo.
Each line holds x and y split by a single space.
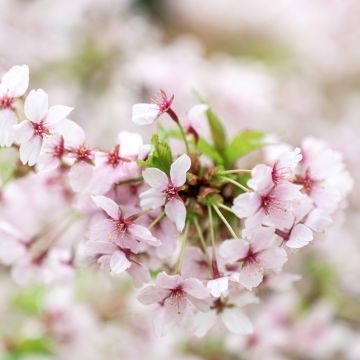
175 210
16 80
233 250
119 263
178 170
246 204
203 322
108 205
7 130
30 151
23 132
144 114
36 105
250 276
152 199
143 234
237 322
57 113
195 288
300 236
155 178
152 294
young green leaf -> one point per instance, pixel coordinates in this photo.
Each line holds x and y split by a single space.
160 158
242 144
217 131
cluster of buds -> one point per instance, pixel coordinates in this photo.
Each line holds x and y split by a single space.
211 235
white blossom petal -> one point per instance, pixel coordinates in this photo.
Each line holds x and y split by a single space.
108 205
36 105
178 170
175 210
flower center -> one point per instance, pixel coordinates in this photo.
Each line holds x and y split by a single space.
6 102
307 182
250 257
40 129
269 202
83 154
170 192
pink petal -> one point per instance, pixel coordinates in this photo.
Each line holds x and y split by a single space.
108 205
23 132
218 286
36 105
195 288
246 204
57 113
144 114
30 151
80 175
262 239
130 143
119 262
139 274
73 134
102 230
152 294
16 80
237 322
233 250
175 210
282 219
261 178
166 281
100 247
152 199
300 236
273 258
175 307
203 322
155 178
143 234
7 131
318 220
250 276
178 170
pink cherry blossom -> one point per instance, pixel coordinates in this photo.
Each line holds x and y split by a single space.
118 229
230 313
249 259
13 85
267 205
146 114
175 296
42 122
164 190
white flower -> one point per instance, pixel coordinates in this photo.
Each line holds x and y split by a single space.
13 84
42 121
146 114
164 190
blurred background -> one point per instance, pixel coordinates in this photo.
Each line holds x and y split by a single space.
289 67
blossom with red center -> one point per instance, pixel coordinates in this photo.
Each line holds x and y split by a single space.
42 122
13 85
146 114
164 190
230 313
175 297
254 256
119 229
269 206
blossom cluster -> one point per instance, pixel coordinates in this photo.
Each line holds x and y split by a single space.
199 235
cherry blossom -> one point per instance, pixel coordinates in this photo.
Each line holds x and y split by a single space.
249 259
267 205
164 190
118 229
146 114
13 85
174 296
229 312
41 123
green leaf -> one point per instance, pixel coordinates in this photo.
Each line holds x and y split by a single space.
30 299
210 151
42 345
217 131
161 157
242 144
